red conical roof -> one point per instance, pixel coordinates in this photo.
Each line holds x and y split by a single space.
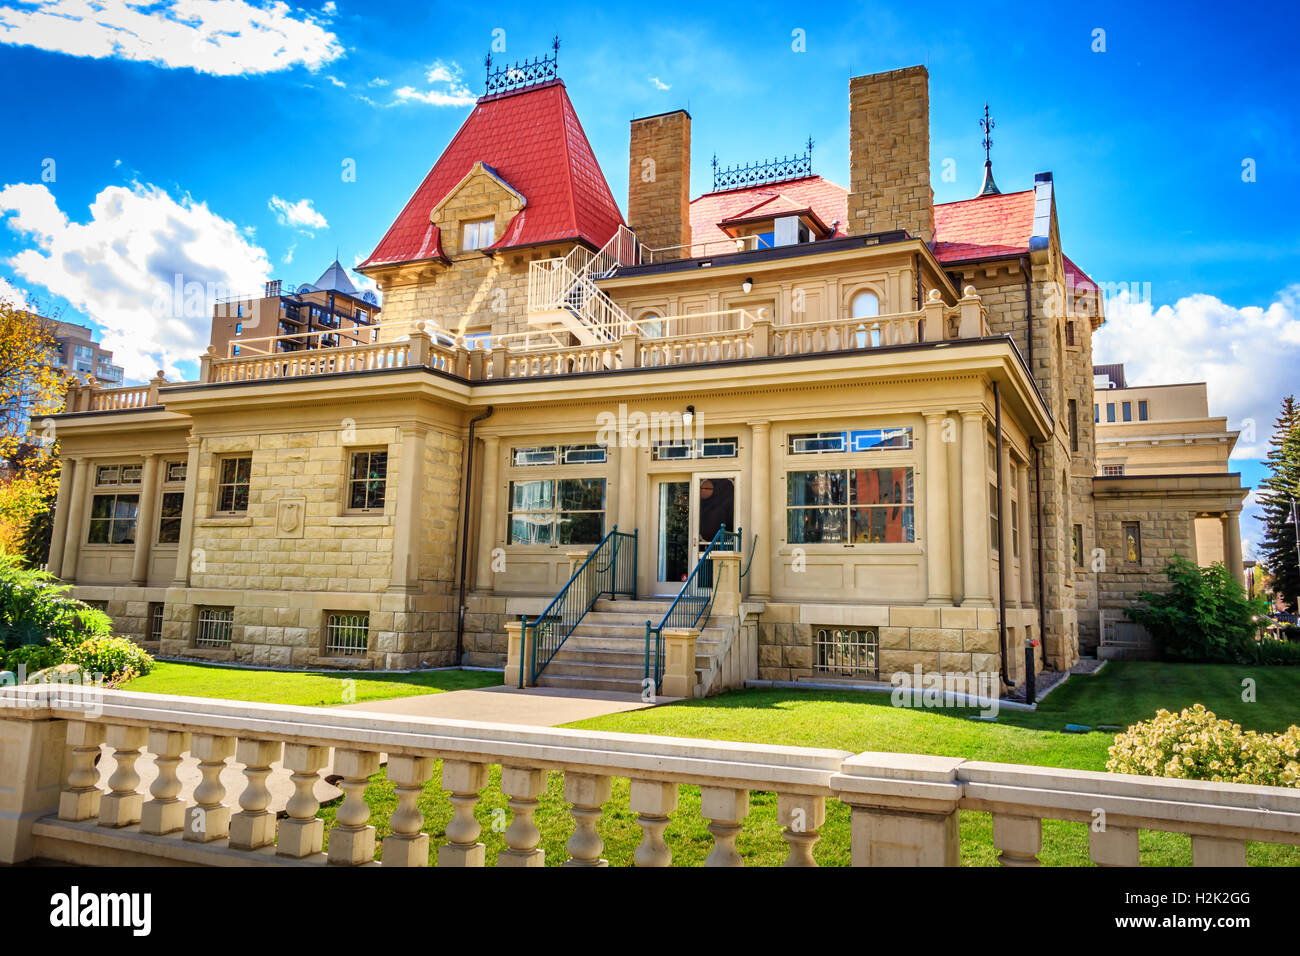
533 140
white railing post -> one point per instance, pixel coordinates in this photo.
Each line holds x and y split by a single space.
121 805
82 796
352 841
725 808
209 818
523 786
1017 839
165 813
653 802
904 808
588 794
801 816
1113 846
254 825
464 780
408 845
302 834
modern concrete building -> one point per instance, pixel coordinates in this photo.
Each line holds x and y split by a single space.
79 354
847 425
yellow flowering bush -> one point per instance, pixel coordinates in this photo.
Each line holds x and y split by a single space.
1196 745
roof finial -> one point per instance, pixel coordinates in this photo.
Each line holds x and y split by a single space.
988 187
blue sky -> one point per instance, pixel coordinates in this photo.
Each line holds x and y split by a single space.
192 141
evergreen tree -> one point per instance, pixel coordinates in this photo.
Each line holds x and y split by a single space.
1277 551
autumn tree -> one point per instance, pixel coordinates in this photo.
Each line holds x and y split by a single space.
1276 494
31 389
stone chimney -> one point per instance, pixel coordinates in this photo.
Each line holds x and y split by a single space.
889 153
659 180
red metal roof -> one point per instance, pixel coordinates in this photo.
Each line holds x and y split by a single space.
1077 277
984 227
827 201
534 141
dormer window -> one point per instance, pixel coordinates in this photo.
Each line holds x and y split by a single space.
478 235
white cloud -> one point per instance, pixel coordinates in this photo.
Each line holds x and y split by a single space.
378 81
337 82
1247 356
220 37
659 84
298 214
145 267
15 296
448 88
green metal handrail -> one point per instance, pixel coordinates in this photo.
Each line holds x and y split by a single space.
609 570
692 603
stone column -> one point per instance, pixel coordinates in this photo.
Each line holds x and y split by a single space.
974 511
625 461
938 543
78 503
185 546
1007 555
760 510
488 518
679 661
35 755
144 521
904 809
62 505
1232 546
406 534
1026 538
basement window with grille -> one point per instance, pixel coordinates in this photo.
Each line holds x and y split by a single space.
216 627
347 634
846 652
155 621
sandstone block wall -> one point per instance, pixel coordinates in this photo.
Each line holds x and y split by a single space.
889 153
659 179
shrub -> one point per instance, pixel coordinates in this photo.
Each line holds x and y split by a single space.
35 609
1278 652
32 657
1197 745
1204 616
119 659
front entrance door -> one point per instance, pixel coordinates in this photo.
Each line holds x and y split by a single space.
689 510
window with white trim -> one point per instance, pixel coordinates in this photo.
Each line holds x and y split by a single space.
557 511
850 506
478 234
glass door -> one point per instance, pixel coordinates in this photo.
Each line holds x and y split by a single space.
673 524
715 506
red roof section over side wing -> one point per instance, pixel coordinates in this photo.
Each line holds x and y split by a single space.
534 140
827 200
984 227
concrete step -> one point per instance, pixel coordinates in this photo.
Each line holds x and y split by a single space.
708 641
561 667
651 608
590 683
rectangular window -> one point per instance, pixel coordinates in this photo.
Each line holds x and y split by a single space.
1074 424
845 652
113 519
239 328
1069 333
234 350
110 475
1096 414
216 626
561 511
347 635
1112 471
175 471
232 488
1128 411
169 522
1015 529
583 454
701 448
1078 545
847 506
478 235
367 483
866 439
995 527
1132 542
1142 411
1110 411
155 621
542 455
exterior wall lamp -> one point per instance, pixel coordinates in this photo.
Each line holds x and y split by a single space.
689 416
747 285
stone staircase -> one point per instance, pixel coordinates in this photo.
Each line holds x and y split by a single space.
606 652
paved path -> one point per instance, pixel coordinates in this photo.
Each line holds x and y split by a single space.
539 707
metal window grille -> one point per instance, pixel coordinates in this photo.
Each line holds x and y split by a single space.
155 622
846 652
216 625
347 634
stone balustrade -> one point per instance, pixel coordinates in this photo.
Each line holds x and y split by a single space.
903 807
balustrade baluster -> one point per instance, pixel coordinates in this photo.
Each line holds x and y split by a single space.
653 802
302 834
81 797
1114 846
165 813
725 808
408 846
464 780
209 818
352 841
254 825
523 787
1216 851
1018 840
802 816
121 806
587 793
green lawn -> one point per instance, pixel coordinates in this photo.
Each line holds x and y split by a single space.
1122 693
299 687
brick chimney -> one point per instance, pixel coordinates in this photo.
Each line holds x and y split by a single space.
659 179
889 153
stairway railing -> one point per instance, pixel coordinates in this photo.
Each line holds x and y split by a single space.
569 284
609 570
692 604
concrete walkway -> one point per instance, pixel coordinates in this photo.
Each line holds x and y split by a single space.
538 707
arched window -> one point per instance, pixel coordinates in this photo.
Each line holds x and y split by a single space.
865 305
652 327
